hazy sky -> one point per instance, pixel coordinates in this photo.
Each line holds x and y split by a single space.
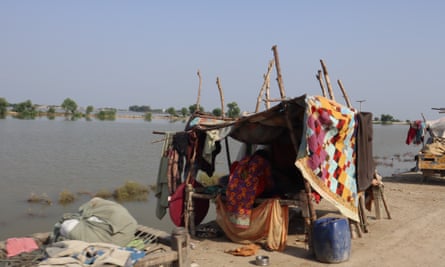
122 53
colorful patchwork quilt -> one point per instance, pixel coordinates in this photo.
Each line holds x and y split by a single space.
329 164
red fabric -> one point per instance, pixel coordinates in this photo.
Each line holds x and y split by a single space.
411 135
176 206
15 246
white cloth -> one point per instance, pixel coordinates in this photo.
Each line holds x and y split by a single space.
67 226
437 127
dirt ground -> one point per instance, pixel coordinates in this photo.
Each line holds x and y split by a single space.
415 236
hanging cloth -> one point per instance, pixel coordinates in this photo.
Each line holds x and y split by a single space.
162 189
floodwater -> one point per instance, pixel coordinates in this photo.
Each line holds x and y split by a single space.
45 157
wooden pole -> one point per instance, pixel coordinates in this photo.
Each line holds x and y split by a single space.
327 79
221 96
340 84
320 81
268 94
265 85
384 201
307 186
279 77
199 91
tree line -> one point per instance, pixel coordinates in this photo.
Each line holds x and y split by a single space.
28 110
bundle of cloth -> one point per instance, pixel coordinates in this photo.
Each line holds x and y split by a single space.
98 220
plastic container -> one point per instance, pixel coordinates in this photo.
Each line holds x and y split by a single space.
331 239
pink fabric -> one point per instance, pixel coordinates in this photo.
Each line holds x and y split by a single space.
15 246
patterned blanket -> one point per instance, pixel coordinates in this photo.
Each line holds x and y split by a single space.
329 164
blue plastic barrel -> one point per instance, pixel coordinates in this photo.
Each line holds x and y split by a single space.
331 239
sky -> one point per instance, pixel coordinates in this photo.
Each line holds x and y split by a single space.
390 54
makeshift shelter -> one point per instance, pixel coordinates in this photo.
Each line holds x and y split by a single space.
316 135
318 149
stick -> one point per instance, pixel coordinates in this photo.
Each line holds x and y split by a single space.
158 141
199 91
328 80
279 78
384 201
268 94
320 81
265 85
348 103
221 96
274 100
229 160
307 186
362 212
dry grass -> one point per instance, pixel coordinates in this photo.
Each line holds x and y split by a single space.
131 191
42 199
66 197
105 194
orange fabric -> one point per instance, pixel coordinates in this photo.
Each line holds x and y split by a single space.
248 250
268 223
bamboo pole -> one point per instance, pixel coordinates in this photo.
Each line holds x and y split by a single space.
307 186
327 79
323 90
268 94
274 100
384 201
199 91
348 103
226 141
221 96
265 86
361 208
279 77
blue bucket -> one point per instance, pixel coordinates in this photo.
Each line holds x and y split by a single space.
331 239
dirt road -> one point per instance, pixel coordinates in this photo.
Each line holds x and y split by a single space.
415 236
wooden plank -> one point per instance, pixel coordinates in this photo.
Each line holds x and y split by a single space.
377 201
431 162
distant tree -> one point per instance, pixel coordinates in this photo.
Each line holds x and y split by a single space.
217 112
171 111
148 116
51 113
136 108
233 110
25 110
192 108
89 110
386 118
3 107
184 111
69 105
108 114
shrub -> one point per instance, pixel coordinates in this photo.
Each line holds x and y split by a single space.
131 191
66 197
43 199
